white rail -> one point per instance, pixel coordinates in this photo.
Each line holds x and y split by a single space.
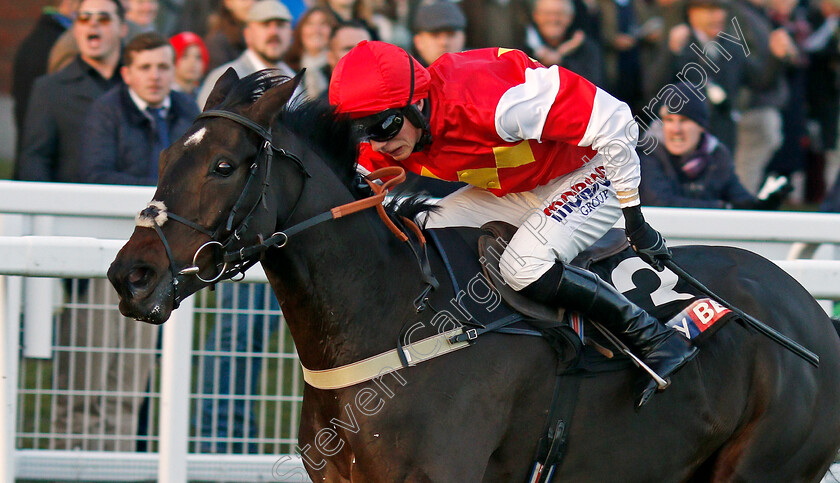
71 199
77 257
739 225
68 257
123 202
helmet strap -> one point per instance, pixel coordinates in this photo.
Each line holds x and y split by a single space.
420 119
417 118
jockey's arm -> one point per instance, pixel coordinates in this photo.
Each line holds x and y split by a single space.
582 114
558 105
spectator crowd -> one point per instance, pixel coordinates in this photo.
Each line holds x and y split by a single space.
733 97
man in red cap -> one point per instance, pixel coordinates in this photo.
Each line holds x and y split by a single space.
541 148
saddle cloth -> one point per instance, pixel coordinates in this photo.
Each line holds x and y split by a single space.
471 260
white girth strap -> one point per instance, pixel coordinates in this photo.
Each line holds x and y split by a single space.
384 363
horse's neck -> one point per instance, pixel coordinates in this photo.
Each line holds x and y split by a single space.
345 286
344 299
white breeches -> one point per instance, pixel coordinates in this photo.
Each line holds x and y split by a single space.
556 221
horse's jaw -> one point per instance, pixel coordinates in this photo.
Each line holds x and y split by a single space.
153 306
141 276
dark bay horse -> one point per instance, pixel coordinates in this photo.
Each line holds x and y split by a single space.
743 410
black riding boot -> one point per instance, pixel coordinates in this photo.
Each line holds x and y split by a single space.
661 348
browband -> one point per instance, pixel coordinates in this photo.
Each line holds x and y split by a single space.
260 130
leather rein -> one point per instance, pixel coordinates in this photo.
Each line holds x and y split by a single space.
236 262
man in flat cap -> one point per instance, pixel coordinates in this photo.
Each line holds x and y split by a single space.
438 29
268 35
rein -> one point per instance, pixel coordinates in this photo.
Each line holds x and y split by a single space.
236 262
280 238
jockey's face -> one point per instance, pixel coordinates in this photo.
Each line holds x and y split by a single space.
682 135
402 145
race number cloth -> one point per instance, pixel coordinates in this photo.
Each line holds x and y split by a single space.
664 295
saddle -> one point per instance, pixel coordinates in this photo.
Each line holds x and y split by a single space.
485 303
550 320
491 247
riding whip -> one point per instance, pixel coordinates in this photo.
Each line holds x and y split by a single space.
749 320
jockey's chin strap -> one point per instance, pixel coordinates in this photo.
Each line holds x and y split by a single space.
236 262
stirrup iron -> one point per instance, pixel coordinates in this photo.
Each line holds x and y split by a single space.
660 381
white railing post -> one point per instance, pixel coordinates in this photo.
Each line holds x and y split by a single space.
9 332
828 305
38 304
176 372
10 316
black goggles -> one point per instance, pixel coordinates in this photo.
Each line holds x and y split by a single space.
383 126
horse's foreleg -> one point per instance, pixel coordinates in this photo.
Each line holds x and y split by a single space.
319 467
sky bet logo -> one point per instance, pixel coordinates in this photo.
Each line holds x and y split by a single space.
584 196
697 317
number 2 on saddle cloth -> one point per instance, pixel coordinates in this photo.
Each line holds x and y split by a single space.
664 295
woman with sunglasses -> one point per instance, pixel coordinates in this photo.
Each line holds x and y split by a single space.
541 148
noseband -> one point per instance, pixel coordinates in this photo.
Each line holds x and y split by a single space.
235 262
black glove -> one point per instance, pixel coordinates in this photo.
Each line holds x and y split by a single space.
647 242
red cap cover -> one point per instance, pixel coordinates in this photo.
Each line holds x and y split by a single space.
375 76
181 41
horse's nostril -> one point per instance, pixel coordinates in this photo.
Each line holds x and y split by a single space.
138 276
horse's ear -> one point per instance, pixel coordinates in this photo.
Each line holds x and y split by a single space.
269 104
221 89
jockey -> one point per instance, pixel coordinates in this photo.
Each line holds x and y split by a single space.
540 148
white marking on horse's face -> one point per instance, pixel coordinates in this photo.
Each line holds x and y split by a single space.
196 137
154 214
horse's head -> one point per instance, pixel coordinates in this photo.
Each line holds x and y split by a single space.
213 199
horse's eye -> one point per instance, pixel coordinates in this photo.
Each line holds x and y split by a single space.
223 168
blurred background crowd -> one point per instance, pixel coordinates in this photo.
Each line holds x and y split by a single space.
100 87
768 72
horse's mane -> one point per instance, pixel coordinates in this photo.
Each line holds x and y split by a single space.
410 205
247 90
331 135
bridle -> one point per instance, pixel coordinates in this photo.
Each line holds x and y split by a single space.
236 262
